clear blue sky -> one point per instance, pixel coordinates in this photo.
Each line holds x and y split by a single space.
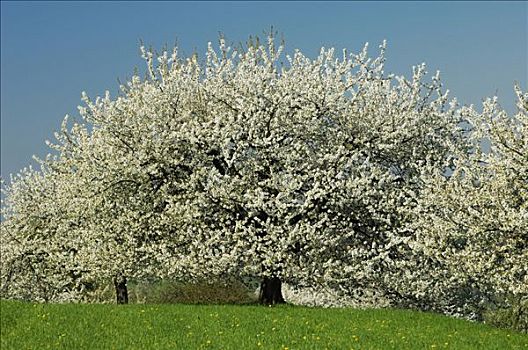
51 51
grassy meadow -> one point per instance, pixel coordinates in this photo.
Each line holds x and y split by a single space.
179 326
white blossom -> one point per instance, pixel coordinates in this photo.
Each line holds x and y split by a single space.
324 172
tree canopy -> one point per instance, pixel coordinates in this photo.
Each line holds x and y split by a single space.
251 163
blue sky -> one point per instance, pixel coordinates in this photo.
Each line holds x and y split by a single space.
51 51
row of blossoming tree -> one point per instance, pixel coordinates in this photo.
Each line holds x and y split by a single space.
251 163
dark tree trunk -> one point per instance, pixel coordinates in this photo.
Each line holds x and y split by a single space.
120 284
271 291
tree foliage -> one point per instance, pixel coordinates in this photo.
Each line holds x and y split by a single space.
315 172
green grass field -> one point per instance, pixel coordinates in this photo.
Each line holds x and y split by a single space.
74 326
